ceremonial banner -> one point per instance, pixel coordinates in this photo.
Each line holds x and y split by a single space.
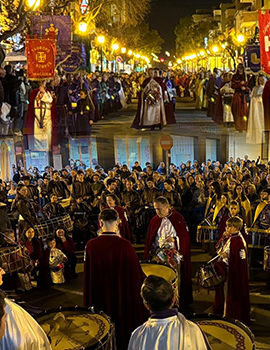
40 55
61 26
253 58
76 59
264 24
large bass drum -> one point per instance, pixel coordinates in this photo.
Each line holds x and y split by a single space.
78 328
212 274
224 333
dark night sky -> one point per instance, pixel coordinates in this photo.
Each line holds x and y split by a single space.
166 14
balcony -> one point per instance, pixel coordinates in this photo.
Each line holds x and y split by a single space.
249 19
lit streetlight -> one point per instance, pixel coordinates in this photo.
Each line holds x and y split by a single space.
123 50
115 47
240 38
215 49
101 39
33 4
82 27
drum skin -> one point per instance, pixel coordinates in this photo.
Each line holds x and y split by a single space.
13 259
77 328
224 333
161 270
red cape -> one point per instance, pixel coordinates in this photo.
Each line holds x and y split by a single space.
112 283
180 227
237 302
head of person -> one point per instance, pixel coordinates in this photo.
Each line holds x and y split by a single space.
161 206
83 94
56 176
26 180
168 185
80 176
51 243
10 236
53 198
22 190
109 220
96 177
28 234
112 200
111 184
234 208
224 199
157 293
265 194
60 232
233 225
150 182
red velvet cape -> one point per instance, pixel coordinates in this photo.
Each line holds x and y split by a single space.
180 227
112 283
237 300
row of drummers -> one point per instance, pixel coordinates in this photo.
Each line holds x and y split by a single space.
256 228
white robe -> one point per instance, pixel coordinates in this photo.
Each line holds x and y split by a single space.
152 114
43 136
22 331
256 117
172 333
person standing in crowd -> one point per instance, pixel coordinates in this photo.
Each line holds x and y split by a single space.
166 329
236 288
113 278
212 87
170 226
239 100
256 113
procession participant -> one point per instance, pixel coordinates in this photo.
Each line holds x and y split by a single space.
172 196
262 212
166 329
239 99
22 330
66 245
130 197
112 203
212 87
151 111
170 226
57 187
41 117
113 277
111 188
80 187
236 288
240 196
150 193
32 189
53 209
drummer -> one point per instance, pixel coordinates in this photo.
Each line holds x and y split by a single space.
165 321
57 187
169 224
236 289
262 212
53 209
21 331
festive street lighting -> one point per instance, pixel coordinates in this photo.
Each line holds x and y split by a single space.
82 27
115 47
215 49
130 52
101 39
123 50
33 4
240 38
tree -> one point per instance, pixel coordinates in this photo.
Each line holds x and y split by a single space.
139 38
190 35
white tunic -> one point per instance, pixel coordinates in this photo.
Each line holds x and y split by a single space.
256 117
172 333
22 331
165 231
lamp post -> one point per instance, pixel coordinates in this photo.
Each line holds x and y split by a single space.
115 47
101 41
123 50
215 50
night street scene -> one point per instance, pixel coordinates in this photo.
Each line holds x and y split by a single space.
134 175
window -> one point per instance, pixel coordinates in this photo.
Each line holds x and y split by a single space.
131 149
84 149
38 159
183 149
211 149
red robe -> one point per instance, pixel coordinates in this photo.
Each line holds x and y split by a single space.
112 283
124 227
266 105
180 227
237 299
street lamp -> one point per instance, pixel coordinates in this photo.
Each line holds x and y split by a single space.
82 27
101 41
115 47
240 38
123 50
33 4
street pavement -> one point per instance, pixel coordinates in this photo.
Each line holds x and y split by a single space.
71 293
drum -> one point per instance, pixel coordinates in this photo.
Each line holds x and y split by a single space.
258 238
212 274
161 270
266 259
224 333
47 227
13 259
77 328
207 234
